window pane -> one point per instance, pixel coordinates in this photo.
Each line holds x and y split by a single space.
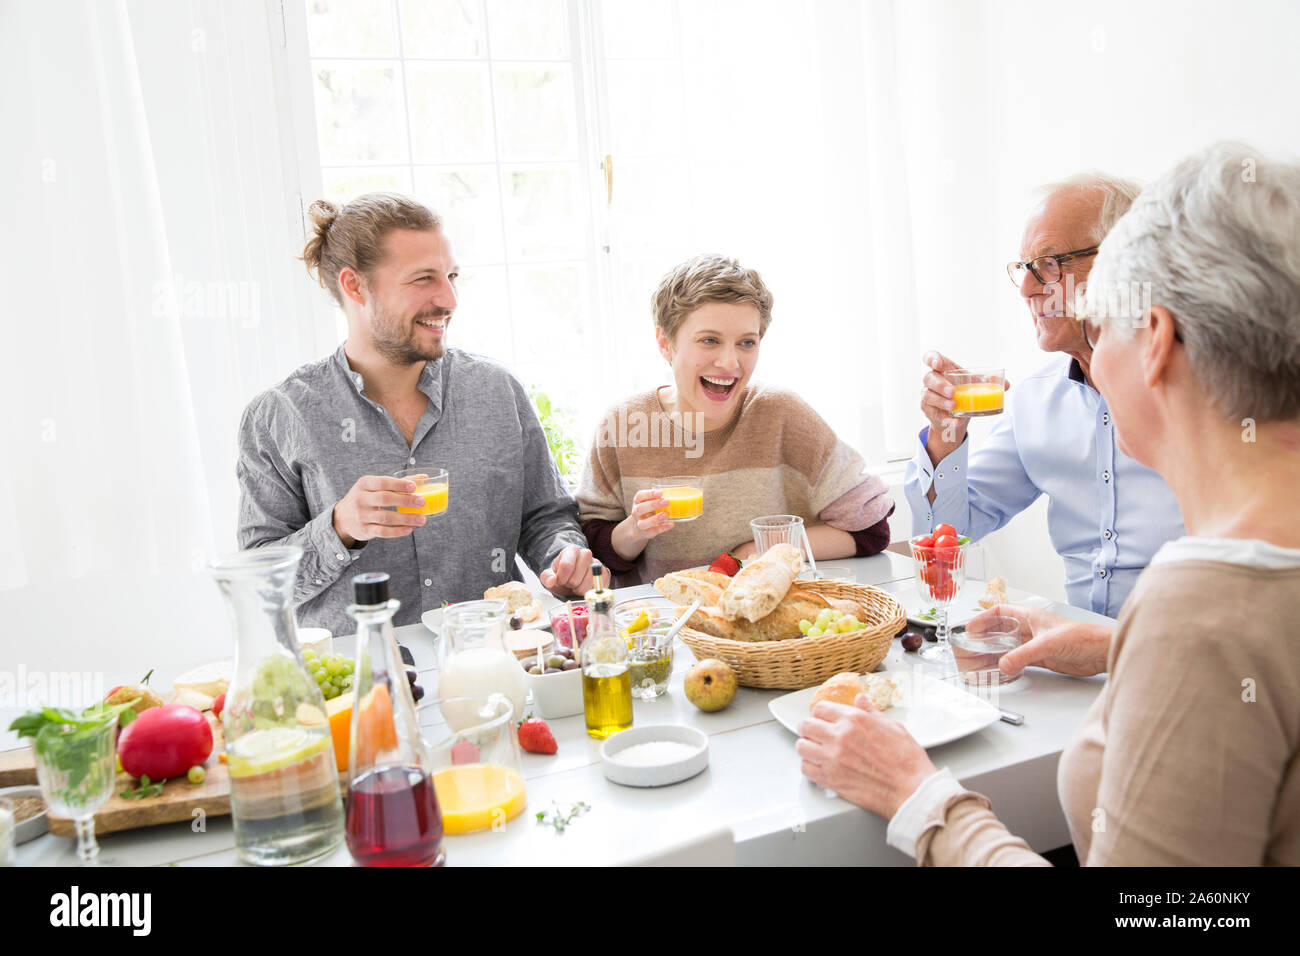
550 302
544 218
528 29
481 322
351 28
442 28
638 28
652 206
343 183
469 202
645 108
535 113
359 115
450 110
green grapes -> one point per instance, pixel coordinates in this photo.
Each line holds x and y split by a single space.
829 621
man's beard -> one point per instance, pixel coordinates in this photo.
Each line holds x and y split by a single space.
397 342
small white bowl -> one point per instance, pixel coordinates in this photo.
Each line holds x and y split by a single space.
660 775
557 695
33 826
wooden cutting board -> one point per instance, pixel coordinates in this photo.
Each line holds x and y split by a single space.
178 801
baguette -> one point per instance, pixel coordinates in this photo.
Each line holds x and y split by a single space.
760 586
780 625
686 587
709 620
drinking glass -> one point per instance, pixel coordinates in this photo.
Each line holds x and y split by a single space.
782 529
77 770
685 494
940 575
474 753
569 624
433 484
980 647
976 392
650 650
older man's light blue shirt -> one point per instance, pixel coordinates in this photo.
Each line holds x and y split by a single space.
1107 515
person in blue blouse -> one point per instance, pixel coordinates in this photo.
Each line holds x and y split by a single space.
1107 515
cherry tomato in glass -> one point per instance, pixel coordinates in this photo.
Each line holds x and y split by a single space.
935 574
925 541
945 542
945 591
943 529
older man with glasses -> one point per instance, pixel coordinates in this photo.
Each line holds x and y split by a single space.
1107 514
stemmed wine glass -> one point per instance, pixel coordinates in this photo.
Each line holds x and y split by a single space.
76 765
940 575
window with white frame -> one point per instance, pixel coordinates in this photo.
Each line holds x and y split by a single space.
578 149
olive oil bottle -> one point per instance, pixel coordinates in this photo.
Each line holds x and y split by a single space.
606 681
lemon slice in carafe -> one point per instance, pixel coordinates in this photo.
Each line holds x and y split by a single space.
272 748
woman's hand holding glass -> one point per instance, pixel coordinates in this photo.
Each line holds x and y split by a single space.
649 519
865 757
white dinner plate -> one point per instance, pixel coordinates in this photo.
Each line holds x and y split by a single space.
921 610
433 620
933 711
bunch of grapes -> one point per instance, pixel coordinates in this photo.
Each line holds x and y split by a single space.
333 672
830 621
278 678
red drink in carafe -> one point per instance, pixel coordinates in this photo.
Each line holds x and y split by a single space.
393 819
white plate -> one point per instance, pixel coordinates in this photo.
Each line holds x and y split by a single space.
933 711
965 607
433 620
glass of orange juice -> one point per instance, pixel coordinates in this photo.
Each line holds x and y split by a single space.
474 752
976 391
685 494
432 484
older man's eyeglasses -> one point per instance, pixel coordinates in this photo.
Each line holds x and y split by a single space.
1091 332
1046 268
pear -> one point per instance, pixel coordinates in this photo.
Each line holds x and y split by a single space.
711 685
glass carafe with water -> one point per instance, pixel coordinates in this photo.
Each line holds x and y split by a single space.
284 787
393 815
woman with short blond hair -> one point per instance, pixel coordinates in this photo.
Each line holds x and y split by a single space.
760 450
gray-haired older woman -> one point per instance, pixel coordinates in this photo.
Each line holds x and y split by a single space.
1190 753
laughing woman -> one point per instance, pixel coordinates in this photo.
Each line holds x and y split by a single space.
759 450
1190 754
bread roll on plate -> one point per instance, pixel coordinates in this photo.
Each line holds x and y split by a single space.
881 690
760 586
519 600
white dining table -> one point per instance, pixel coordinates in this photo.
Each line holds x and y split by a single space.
750 807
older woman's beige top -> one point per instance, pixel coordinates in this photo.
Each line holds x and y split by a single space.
1189 754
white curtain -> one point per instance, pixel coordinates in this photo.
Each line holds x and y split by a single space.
147 255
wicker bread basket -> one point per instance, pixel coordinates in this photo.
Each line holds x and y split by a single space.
808 661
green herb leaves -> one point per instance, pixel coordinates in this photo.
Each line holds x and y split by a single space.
560 819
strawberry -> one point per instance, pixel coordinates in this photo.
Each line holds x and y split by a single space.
725 563
462 751
536 737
